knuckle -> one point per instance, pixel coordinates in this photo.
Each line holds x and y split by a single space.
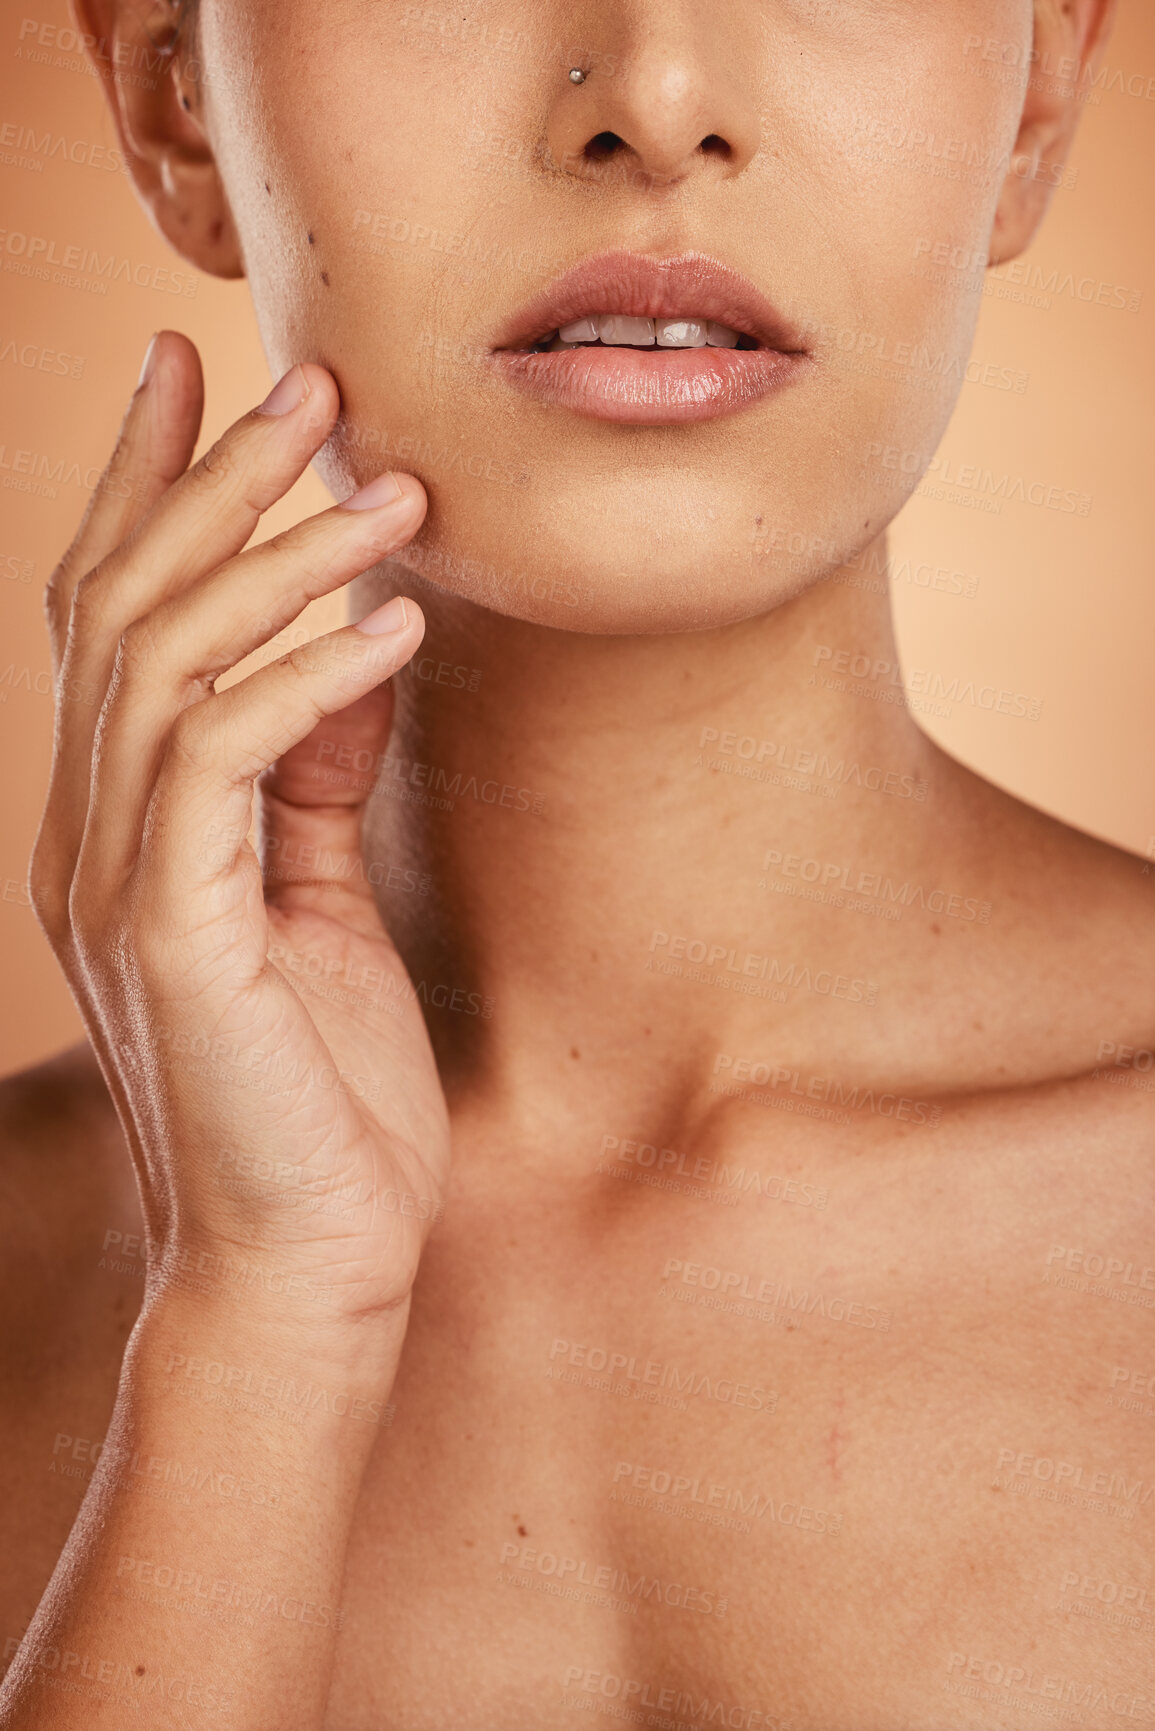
311 661
89 603
48 889
190 741
316 552
58 592
306 666
285 541
77 911
219 466
137 651
68 580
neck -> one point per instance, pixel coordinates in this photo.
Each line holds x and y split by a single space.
593 811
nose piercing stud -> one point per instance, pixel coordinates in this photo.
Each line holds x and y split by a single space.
576 75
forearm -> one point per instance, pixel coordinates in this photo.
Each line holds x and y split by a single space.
202 1581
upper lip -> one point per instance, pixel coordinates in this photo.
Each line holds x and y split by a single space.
686 286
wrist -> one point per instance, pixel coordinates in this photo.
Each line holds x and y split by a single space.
264 1294
228 1353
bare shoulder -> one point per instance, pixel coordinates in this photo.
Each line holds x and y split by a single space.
1067 969
1096 904
67 1190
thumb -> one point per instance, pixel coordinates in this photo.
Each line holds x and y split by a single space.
311 803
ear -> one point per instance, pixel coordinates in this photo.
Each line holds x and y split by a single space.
150 78
1068 35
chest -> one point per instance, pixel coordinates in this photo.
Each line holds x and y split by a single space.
808 1434
790 1424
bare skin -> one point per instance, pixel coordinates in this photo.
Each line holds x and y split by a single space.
901 1434
885 1303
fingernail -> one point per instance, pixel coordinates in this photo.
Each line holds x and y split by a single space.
148 364
391 617
286 394
383 491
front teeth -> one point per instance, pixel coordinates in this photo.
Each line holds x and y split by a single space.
681 333
620 330
581 331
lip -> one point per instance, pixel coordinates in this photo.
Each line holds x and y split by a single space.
650 387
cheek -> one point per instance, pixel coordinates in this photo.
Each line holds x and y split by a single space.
900 180
905 172
343 191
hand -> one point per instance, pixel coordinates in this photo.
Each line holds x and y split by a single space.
257 1029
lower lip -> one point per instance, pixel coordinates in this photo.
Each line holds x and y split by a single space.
650 387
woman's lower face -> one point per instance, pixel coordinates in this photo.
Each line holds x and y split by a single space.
641 335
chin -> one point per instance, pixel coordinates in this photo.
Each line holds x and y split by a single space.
627 568
663 551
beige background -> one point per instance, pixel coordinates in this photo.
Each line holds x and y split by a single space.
1061 607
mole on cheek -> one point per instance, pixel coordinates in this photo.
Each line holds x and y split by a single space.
325 278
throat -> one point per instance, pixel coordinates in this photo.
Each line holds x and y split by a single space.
624 841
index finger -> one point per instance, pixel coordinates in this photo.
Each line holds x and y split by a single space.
154 447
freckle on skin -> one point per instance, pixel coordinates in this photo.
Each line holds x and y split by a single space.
312 242
325 278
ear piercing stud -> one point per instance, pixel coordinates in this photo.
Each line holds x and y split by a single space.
576 75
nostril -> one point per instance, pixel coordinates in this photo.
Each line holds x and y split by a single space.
712 145
603 144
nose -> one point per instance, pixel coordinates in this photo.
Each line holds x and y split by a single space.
667 93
